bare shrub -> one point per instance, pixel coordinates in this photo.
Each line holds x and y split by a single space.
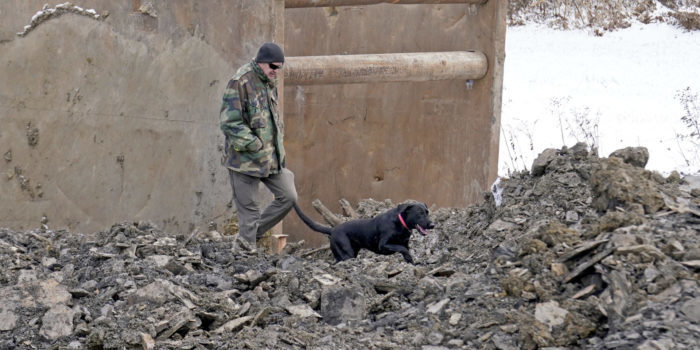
687 20
602 15
576 123
515 153
689 140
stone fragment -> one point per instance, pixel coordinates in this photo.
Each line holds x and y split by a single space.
559 269
436 307
147 341
542 161
57 322
79 292
8 319
571 217
550 313
585 292
637 156
691 309
233 325
159 261
692 263
259 318
51 292
176 324
340 304
660 344
435 338
75 345
302 310
326 279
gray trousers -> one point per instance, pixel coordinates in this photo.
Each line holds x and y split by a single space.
252 224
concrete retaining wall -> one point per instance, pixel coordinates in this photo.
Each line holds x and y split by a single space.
116 118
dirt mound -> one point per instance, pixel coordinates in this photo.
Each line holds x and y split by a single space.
580 252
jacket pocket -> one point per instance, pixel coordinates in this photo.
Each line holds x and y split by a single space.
258 121
255 146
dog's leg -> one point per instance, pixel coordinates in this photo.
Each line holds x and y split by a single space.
342 248
336 251
398 249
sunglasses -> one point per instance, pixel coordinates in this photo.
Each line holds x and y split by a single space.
274 66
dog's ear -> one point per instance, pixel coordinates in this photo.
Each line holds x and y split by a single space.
402 207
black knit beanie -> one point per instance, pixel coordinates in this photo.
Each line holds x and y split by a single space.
268 53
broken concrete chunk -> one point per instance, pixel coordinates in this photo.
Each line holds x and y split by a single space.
550 313
436 308
340 304
233 325
637 156
542 161
302 310
57 322
8 319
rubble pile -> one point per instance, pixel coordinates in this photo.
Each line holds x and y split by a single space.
580 252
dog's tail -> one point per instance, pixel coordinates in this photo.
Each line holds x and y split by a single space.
312 224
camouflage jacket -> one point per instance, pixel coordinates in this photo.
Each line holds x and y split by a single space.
251 123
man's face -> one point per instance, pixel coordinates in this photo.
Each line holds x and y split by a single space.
271 69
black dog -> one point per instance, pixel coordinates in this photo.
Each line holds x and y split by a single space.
385 234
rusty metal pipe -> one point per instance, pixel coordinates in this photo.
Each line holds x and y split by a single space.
374 68
326 3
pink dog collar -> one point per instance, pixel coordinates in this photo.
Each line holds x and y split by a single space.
403 222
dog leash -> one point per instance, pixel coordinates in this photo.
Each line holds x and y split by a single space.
403 222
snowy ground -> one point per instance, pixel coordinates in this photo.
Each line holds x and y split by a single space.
617 90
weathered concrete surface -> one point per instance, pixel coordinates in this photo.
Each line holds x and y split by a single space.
431 141
117 119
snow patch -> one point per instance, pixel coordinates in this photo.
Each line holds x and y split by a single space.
47 13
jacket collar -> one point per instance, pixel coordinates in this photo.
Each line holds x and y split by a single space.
259 72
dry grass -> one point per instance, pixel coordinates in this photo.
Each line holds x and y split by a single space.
688 20
604 15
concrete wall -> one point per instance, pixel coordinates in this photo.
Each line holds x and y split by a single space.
116 119
125 108
435 142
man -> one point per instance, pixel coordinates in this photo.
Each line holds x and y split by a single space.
254 134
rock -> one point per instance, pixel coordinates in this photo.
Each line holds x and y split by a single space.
636 156
234 324
159 261
547 268
436 308
660 344
79 293
49 292
8 319
147 341
542 161
691 310
156 292
435 338
550 313
571 217
616 184
75 345
341 304
57 322
302 310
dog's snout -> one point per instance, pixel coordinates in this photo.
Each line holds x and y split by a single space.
431 225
